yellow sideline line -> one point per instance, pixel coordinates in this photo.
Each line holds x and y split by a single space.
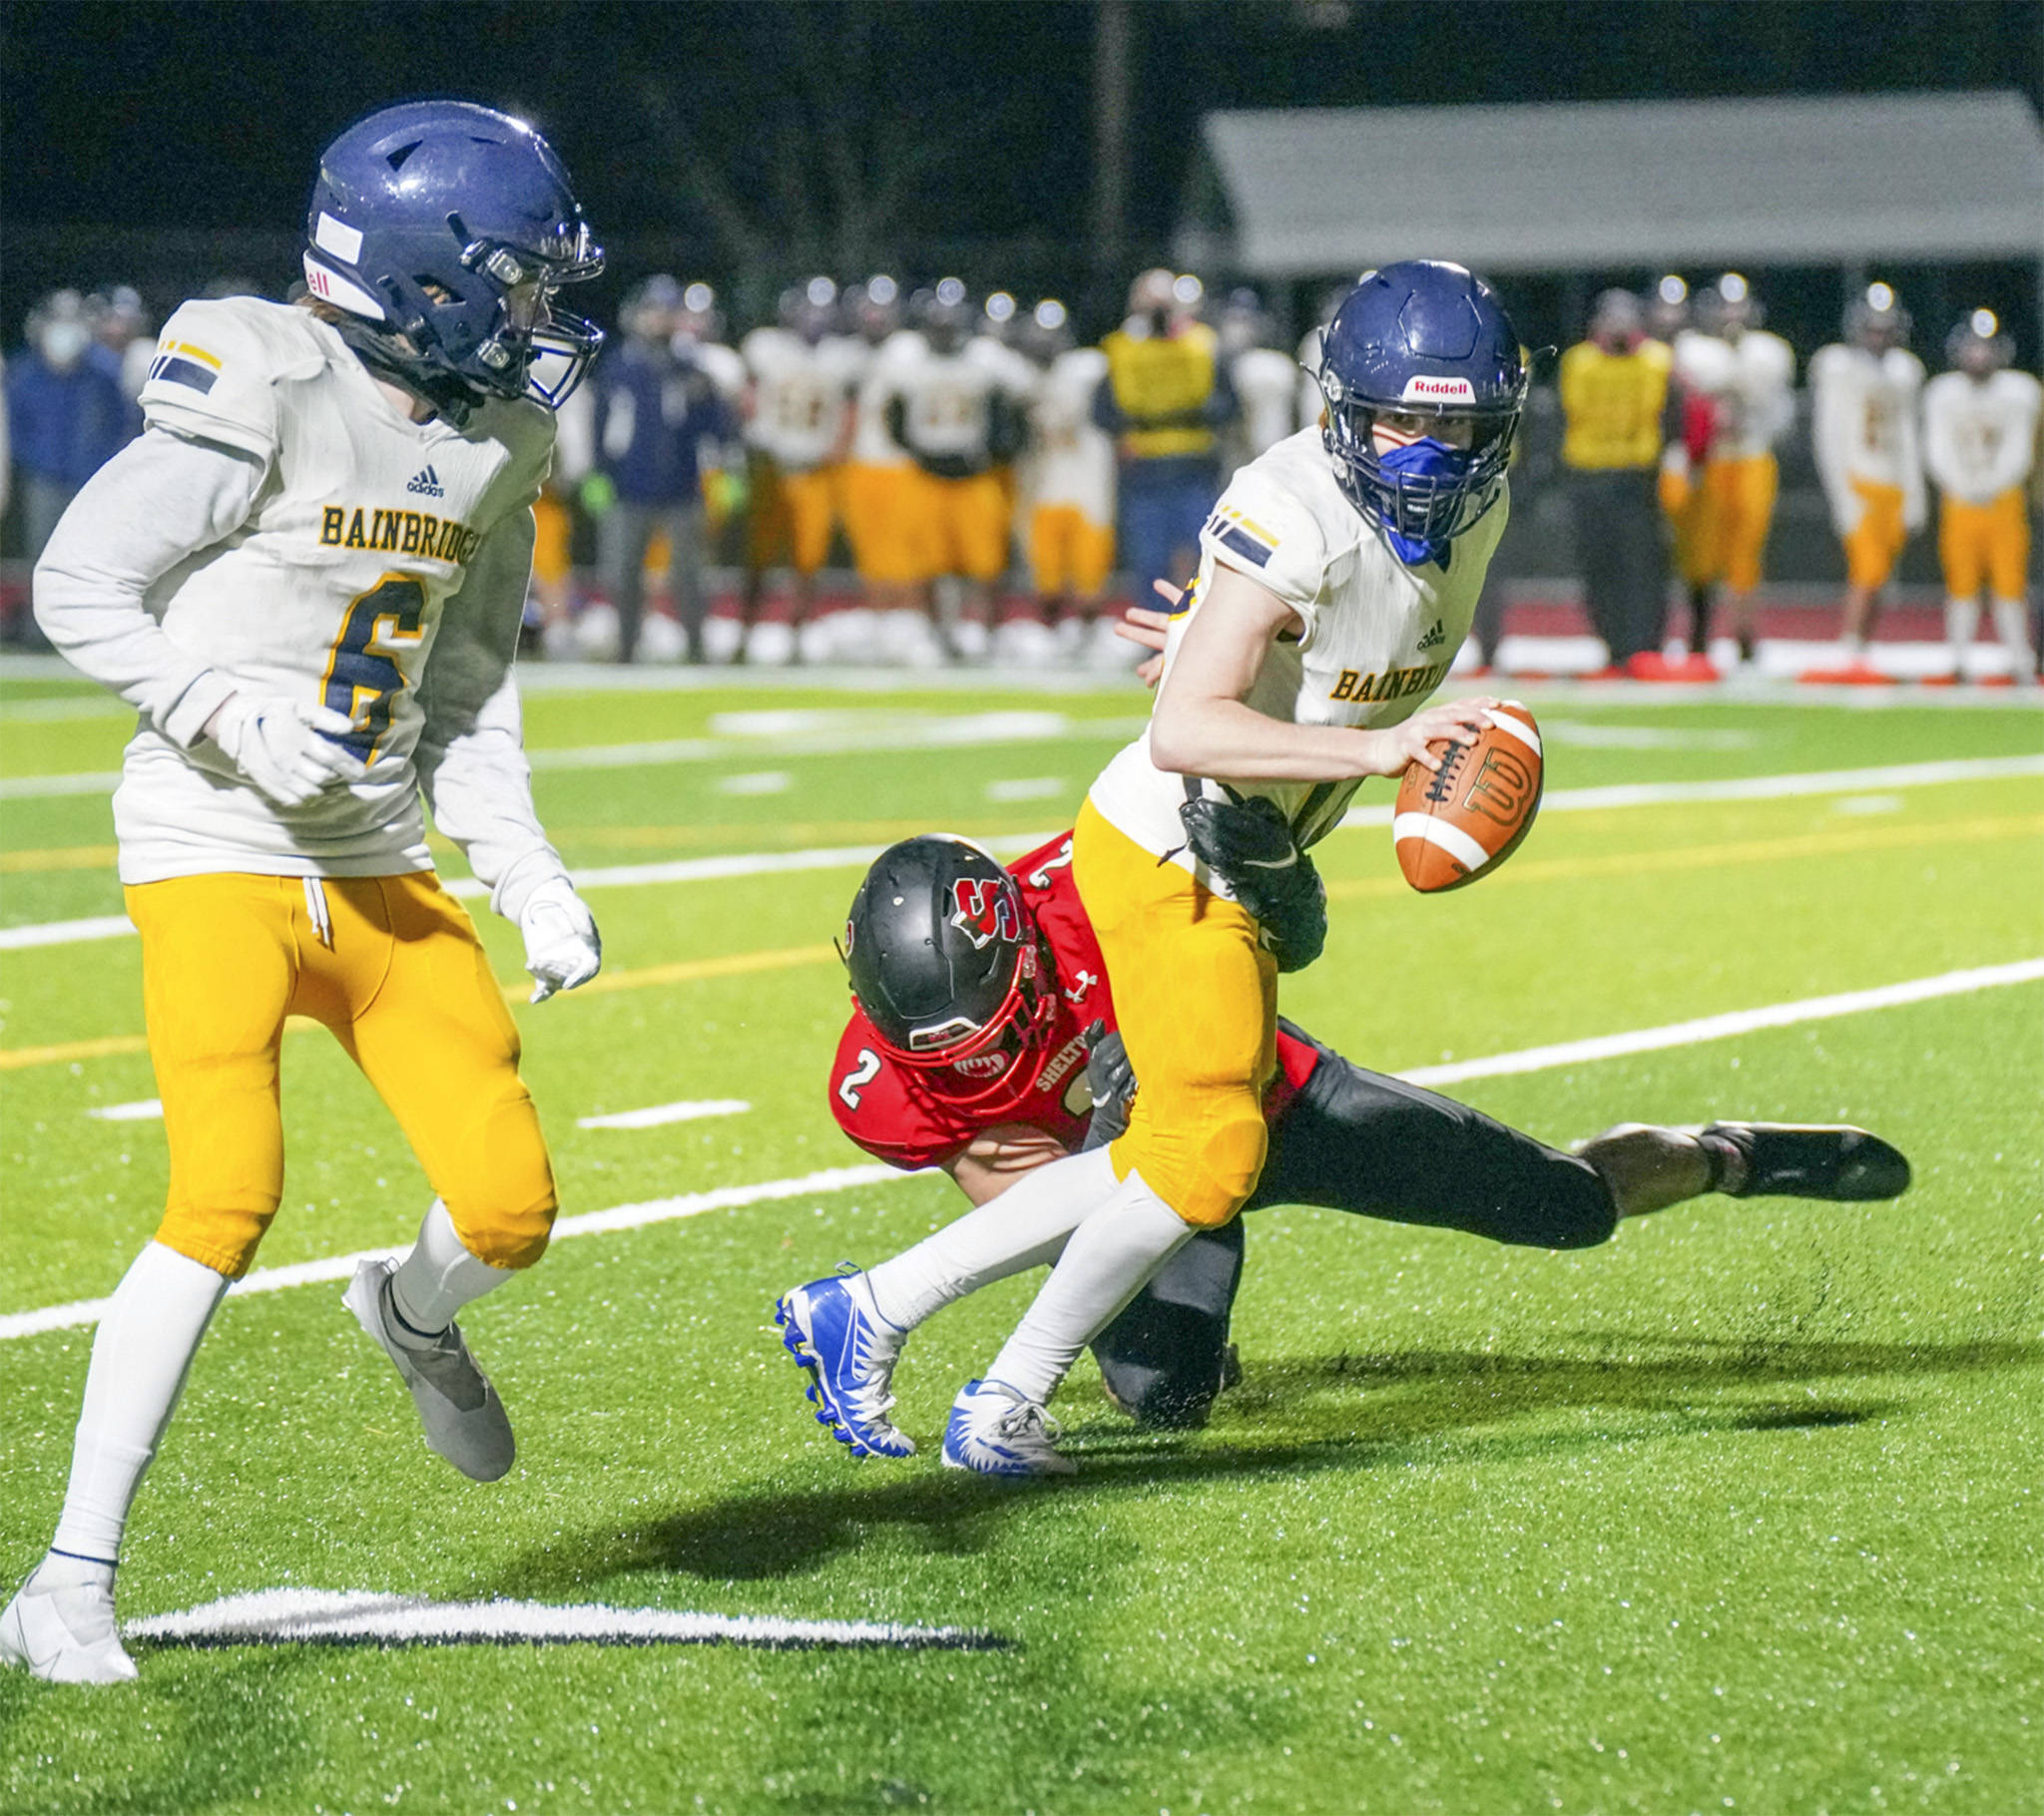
1687 857
1746 851
644 977
60 857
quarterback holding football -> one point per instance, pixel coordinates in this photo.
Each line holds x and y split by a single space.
1340 574
307 576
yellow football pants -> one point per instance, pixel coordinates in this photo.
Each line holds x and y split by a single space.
1721 528
1989 542
1196 997
403 982
1875 540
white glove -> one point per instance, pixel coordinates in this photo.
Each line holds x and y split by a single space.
562 945
285 749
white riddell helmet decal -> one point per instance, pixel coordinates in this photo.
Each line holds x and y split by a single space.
1437 390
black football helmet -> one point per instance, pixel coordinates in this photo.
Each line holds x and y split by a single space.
950 969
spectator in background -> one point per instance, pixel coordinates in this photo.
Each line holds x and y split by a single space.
659 420
1266 380
1068 479
1980 423
121 327
800 432
1734 383
66 413
1166 398
1864 392
1614 388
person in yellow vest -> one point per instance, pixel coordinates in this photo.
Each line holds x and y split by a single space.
1614 389
1165 400
1980 423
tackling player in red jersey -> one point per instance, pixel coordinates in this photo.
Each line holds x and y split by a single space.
981 1041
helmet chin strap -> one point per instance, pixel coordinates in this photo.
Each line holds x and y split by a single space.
377 348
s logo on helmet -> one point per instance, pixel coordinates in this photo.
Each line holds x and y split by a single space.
984 909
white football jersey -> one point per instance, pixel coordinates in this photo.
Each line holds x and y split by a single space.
1379 636
872 444
1750 382
947 397
1267 385
801 396
1071 458
1980 434
332 591
1863 423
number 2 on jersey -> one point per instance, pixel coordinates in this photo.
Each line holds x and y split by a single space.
864 1074
363 679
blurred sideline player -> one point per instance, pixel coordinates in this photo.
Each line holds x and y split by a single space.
1068 477
1736 380
307 577
956 401
799 431
1337 580
1264 379
976 994
1864 394
879 477
1980 422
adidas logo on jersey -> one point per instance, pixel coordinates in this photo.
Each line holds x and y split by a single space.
426 483
1435 636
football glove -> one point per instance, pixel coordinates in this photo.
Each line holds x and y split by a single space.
562 946
1112 1081
1248 845
284 749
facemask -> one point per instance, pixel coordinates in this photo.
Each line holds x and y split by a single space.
1425 458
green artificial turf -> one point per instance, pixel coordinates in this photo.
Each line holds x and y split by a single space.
1739 1512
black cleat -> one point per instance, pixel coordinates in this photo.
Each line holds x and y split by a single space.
1812 1160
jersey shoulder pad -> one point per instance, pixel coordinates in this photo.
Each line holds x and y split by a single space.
1271 526
218 365
1769 357
875 1107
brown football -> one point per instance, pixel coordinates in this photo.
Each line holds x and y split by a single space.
1460 823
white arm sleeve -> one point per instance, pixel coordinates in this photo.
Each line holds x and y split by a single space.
1910 455
160 499
1834 432
1940 457
471 754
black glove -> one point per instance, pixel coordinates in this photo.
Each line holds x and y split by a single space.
1111 1081
1250 847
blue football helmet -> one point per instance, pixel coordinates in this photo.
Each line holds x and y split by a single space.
451 224
1428 341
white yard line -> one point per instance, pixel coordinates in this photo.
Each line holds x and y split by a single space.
663 1113
841 857
143 1109
309 1616
846 1179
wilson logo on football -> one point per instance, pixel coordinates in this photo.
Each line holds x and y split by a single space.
1438 390
984 909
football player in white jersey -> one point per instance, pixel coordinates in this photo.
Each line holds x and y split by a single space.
880 493
1735 377
802 376
1980 424
307 578
1339 575
1067 478
1865 395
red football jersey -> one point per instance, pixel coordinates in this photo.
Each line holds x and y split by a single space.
897 1113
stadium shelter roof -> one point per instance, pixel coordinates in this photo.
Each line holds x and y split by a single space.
1929 177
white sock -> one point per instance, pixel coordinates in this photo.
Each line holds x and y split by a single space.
1961 620
438 1278
139 1357
1104 1264
2014 632
1024 1227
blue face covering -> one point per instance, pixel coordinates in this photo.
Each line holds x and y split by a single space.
1425 458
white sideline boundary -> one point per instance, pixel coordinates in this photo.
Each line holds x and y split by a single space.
846 1179
309 1616
841 857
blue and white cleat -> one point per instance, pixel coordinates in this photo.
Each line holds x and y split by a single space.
993 1431
834 1331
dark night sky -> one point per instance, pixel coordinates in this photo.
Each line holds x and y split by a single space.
960 129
